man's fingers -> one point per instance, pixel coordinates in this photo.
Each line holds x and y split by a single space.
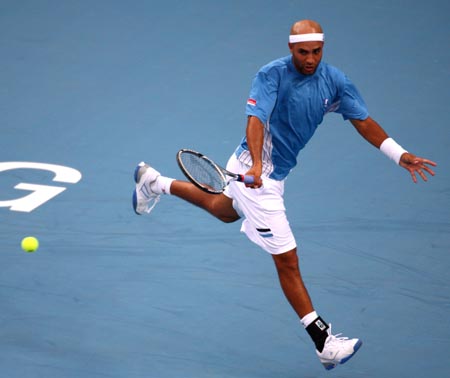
424 177
257 184
430 162
417 165
429 170
419 160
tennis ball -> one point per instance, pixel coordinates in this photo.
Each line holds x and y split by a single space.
30 244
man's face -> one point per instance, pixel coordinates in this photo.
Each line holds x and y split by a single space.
306 56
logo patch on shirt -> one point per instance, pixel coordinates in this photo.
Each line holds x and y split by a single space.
330 107
251 102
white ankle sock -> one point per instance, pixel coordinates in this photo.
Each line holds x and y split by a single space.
309 318
162 185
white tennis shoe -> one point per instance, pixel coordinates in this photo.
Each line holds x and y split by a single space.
337 350
144 197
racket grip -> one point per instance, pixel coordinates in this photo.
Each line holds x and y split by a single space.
248 179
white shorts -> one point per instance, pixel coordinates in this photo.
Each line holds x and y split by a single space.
265 221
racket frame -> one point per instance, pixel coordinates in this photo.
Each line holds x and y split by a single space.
222 172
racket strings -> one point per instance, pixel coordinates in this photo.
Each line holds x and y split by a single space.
203 172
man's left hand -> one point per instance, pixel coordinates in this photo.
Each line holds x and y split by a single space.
415 164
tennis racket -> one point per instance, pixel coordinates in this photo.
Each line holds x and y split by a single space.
205 174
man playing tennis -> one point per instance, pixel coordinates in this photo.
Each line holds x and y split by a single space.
288 100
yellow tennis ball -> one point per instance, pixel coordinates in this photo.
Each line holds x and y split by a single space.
30 244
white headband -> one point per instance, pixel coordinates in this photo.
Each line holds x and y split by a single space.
294 38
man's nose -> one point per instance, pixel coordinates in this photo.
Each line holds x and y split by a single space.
310 58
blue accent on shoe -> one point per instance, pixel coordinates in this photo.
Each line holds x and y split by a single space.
135 202
355 349
136 171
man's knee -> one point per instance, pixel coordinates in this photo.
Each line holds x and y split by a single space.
286 261
222 208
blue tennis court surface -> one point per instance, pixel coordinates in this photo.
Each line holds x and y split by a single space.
90 88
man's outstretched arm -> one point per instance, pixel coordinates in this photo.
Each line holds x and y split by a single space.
371 131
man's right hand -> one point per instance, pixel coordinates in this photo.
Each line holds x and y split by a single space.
256 173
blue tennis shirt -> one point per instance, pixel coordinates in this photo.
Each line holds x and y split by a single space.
291 106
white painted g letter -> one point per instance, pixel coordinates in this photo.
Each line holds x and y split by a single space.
40 193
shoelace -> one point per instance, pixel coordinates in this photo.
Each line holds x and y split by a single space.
335 339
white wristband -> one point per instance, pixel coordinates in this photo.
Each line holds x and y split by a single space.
392 149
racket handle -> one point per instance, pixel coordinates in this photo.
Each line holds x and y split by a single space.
247 179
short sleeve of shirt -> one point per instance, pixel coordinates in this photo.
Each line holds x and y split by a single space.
263 95
352 105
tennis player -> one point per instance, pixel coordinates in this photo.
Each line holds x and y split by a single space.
288 99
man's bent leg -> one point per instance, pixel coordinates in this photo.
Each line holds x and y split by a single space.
150 185
219 205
